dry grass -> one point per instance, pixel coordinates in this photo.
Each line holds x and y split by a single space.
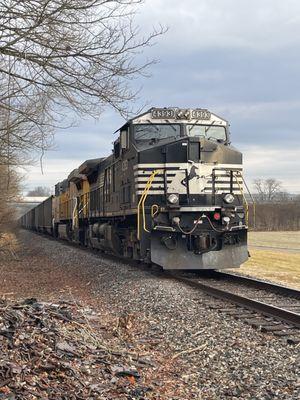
8 245
278 265
289 240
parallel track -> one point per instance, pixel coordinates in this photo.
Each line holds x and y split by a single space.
284 320
270 286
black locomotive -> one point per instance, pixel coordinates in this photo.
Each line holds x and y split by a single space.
171 193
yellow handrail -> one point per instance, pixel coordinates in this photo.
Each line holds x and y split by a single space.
141 203
245 200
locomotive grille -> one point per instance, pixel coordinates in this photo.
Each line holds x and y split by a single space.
209 179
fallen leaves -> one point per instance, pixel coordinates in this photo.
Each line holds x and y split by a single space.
48 350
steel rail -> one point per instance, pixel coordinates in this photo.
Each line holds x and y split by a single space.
266 309
254 282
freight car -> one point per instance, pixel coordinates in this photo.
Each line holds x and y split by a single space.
40 218
171 193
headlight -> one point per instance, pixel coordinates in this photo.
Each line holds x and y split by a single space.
173 198
228 198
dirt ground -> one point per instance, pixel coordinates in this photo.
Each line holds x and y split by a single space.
274 256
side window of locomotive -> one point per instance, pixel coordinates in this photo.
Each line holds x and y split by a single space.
149 134
117 148
124 140
114 178
107 185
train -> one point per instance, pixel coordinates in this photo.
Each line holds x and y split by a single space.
170 194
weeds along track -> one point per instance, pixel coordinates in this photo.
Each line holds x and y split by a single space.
269 307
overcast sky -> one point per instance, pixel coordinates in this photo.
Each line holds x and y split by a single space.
238 58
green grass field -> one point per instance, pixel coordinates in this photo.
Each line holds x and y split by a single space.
278 260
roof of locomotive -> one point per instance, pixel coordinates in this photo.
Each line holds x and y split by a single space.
75 176
88 165
179 115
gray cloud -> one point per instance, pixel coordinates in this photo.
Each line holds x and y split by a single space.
259 25
240 59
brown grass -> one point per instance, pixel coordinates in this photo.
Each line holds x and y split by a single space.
8 245
289 240
281 266
276 266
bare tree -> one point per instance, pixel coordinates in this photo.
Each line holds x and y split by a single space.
58 56
269 190
284 197
62 55
78 55
39 191
276 217
296 198
9 189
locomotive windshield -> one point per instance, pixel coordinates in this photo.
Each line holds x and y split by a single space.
155 132
151 133
212 132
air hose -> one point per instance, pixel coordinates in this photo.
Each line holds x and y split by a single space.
197 223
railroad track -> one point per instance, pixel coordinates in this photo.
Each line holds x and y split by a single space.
269 307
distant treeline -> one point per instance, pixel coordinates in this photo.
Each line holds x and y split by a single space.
275 216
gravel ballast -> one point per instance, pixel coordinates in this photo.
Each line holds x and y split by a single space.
195 352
